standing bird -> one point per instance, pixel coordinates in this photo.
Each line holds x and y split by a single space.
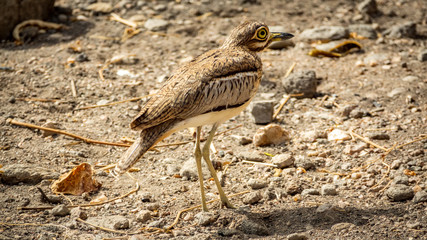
210 89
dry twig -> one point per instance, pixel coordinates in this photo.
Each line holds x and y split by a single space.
115 103
86 140
33 22
286 99
129 23
368 141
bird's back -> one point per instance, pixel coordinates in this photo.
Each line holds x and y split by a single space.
214 81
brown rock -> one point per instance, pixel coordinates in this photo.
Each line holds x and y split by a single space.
270 134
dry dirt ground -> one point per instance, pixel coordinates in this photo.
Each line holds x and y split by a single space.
389 96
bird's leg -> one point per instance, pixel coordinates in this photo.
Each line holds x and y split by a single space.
198 156
206 156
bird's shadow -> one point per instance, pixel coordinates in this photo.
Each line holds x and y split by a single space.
284 221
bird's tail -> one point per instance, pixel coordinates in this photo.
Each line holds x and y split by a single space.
147 139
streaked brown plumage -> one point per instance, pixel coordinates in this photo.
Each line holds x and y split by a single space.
210 89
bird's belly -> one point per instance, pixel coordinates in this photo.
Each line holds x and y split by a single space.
211 118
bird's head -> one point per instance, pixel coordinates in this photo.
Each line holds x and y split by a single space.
253 35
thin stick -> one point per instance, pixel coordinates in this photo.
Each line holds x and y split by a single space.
368 141
290 69
115 103
129 23
260 163
86 140
323 100
31 224
413 141
85 205
37 100
286 97
73 87
198 206
101 228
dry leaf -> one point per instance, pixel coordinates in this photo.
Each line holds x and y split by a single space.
76 182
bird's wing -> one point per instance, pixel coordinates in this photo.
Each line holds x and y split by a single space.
214 81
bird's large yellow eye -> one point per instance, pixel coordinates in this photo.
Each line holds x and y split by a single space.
262 33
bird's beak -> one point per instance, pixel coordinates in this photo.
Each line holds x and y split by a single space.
279 36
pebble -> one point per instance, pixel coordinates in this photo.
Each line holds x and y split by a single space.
101 7
283 160
293 187
270 134
251 156
189 170
324 33
413 225
312 135
262 111
252 197
420 196
17 173
368 7
328 190
310 191
358 113
346 110
154 24
378 136
396 92
206 218
422 56
352 149
364 30
78 213
146 197
301 82
242 139
143 216
50 124
280 44
228 232
82 57
60 211
401 179
374 59
158 223
251 227
338 135
153 206
341 226
297 236
396 164
256 184
303 162
326 207
399 192
406 30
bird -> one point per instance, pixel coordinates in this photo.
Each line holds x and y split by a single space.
208 90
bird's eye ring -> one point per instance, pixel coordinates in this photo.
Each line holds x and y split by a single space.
261 33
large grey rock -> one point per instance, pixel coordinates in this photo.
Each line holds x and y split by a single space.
16 173
301 82
364 30
324 33
406 30
262 111
399 192
12 12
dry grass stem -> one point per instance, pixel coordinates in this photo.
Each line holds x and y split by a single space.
126 22
36 23
291 68
260 163
37 100
368 141
101 228
86 140
286 99
73 88
115 103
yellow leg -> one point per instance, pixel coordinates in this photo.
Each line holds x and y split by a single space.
198 156
206 156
